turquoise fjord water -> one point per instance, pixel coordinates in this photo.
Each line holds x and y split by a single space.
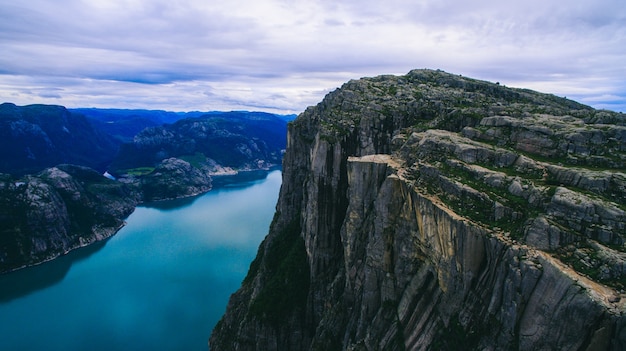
161 283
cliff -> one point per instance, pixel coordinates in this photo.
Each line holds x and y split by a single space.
436 212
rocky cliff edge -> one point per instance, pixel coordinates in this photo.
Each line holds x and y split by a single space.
436 212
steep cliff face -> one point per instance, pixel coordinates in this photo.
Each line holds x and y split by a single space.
432 211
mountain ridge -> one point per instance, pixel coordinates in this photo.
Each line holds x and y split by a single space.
231 139
35 137
124 124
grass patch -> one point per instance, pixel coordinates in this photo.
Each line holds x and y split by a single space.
590 266
481 209
138 172
197 160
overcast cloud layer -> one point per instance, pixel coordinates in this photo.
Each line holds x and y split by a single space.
284 55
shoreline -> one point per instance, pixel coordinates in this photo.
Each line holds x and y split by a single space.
102 236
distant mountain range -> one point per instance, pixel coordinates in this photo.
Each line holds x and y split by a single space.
124 124
36 137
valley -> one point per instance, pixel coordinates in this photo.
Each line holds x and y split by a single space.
54 197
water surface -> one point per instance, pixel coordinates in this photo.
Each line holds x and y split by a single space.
161 283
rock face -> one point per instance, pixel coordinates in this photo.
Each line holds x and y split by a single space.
436 212
60 209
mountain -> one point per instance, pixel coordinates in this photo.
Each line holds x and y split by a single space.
432 211
59 209
112 115
215 141
36 137
124 124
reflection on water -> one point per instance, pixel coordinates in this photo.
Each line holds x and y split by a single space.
28 280
161 283
239 180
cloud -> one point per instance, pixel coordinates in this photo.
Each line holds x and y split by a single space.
284 55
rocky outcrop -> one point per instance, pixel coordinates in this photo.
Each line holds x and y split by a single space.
436 212
174 178
62 208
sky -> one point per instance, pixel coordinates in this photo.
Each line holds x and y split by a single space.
284 55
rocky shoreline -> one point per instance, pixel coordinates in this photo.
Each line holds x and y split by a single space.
68 207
